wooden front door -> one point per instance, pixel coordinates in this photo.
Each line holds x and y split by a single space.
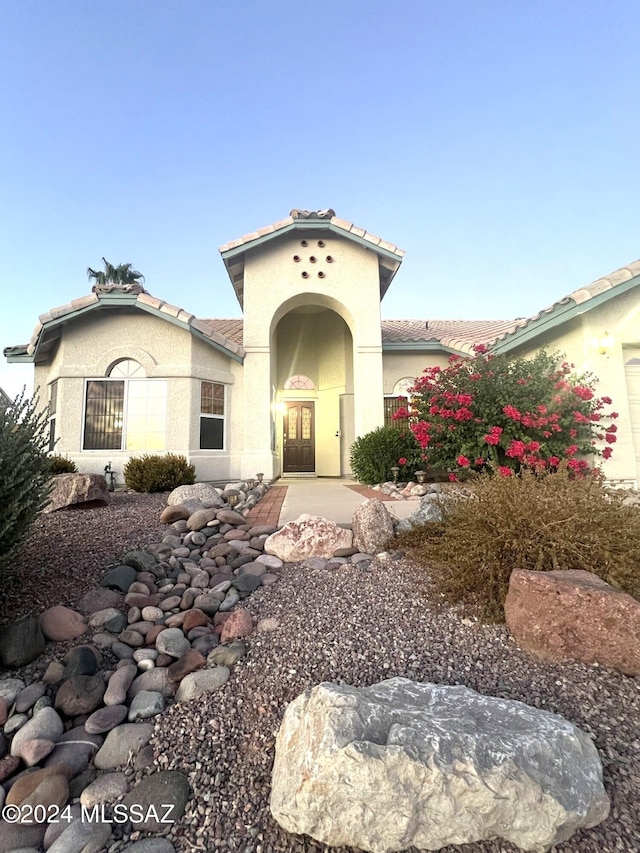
299 443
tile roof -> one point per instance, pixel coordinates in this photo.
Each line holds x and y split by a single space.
340 224
454 334
578 299
146 301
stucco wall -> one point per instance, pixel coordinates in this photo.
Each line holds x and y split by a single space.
397 365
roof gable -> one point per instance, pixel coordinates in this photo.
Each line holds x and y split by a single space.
50 325
305 221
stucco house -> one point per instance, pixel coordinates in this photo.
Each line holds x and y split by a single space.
310 366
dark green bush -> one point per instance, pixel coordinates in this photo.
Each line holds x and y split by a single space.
158 473
373 455
24 471
61 465
538 523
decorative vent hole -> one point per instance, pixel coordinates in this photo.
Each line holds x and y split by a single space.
303 243
320 274
312 259
329 259
305 274
321 244
296 258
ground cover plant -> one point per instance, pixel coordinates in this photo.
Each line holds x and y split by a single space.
374 454
150 473
531 521
487 412
24 471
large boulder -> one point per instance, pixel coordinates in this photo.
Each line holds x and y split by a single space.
207 495
574 615
397 764
372 526
77 490
308 536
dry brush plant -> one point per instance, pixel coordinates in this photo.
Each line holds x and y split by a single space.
534 522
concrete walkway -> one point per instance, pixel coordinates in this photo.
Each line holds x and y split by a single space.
327 497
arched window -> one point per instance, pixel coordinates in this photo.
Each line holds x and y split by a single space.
299 382
125 411
127 367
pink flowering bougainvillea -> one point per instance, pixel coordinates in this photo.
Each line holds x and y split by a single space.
485 411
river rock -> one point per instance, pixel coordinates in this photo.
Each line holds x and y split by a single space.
45 725
124 739
451 766
105 719
21 642
80 694
204 681
154 794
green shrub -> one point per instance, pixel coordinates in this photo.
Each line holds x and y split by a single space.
538 523
24 471
373 455
158 473
61 465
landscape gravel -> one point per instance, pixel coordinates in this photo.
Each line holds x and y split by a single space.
354 624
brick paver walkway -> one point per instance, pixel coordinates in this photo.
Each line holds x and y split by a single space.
267 510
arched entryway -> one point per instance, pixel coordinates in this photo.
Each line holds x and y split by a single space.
313 379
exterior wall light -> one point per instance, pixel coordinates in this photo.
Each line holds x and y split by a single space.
605 343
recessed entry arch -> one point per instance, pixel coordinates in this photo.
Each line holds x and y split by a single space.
312 362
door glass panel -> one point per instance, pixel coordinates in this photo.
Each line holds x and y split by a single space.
292 423
306 423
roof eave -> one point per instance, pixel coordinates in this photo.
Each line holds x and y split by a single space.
420 346
560 313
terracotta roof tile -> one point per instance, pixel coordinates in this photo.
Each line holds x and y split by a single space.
230 329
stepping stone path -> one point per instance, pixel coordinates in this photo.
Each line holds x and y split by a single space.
165 626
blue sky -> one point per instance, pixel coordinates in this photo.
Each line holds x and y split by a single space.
496 142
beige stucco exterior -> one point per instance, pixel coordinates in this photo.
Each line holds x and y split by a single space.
310 289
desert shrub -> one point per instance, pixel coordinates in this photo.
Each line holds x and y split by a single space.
61 465
373 455
534 522
149 473
487 412
24 471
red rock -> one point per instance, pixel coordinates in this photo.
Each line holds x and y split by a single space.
574 615
8 766
190 661
152 635
61 623
80 694
239 624
194 619
47 787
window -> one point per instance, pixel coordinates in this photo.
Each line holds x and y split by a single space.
211 416
299 382
127 413
400 399
53 404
